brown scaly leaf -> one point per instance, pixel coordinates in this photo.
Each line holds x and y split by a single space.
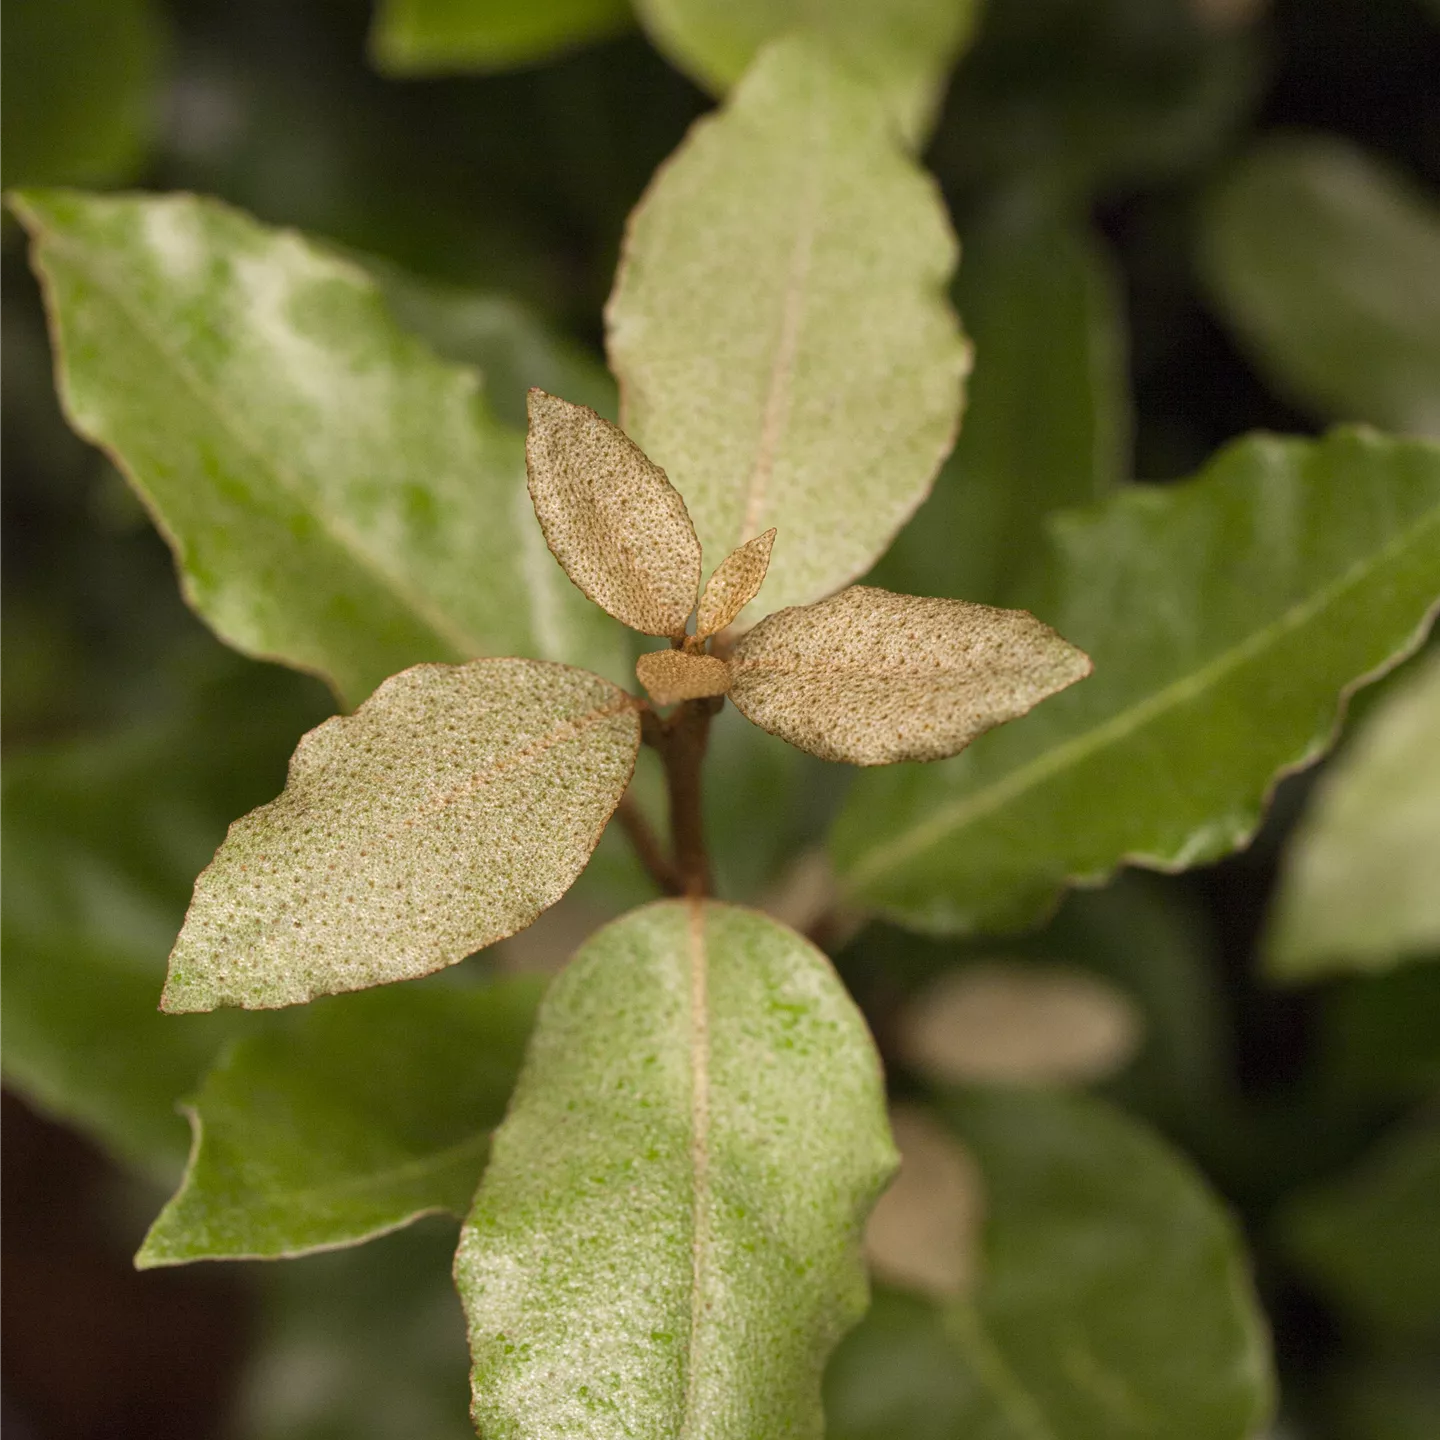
870 678
611 517
671 675
735 583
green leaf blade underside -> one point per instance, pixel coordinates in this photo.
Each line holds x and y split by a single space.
1324 264
904 49
446 813
1041 303
1112 1298
102 841
666 1239
336 497
1227 618
1367 1239
780 330
1360 884
439 37
81 90
362 1114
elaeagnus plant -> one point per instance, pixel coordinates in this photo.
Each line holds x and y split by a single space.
731 1127
663 1160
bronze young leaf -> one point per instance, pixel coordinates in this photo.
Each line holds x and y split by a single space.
671 675
446 813
611 518
871 678
735 583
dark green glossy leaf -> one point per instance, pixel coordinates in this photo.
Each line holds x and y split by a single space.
1040 303
430 37
1074 96
362 1114
102 843
337 498
360 1344
1227 619
81 89
666 1241
905 48
1112 1298
1381 1034
1360 883
1386 1397
1371 1240
1323 261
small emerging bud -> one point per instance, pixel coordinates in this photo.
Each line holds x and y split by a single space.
672 675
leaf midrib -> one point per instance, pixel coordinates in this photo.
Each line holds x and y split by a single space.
347 541
1126 722
776 412
569 730
699 1154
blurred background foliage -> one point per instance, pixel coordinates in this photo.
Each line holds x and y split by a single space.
1152 195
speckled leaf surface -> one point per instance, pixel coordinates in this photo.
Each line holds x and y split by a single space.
735 582
779 326
440 37
617 526
904 48
336 497
1227 617
446 813
666 1241
1360 883
1042 305
358 1115
671 675
1112 1298
1323 261
870 678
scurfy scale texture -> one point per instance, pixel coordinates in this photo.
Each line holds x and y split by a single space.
611 518
671 675
446 813
871 678
780 326
735 583
666 1242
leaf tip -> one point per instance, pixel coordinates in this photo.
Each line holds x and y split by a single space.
180 999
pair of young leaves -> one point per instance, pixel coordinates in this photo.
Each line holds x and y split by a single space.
459 802
865 677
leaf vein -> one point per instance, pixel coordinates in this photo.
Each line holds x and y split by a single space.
777 395
699 1158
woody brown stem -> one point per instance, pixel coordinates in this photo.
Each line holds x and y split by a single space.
681 738
647 846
